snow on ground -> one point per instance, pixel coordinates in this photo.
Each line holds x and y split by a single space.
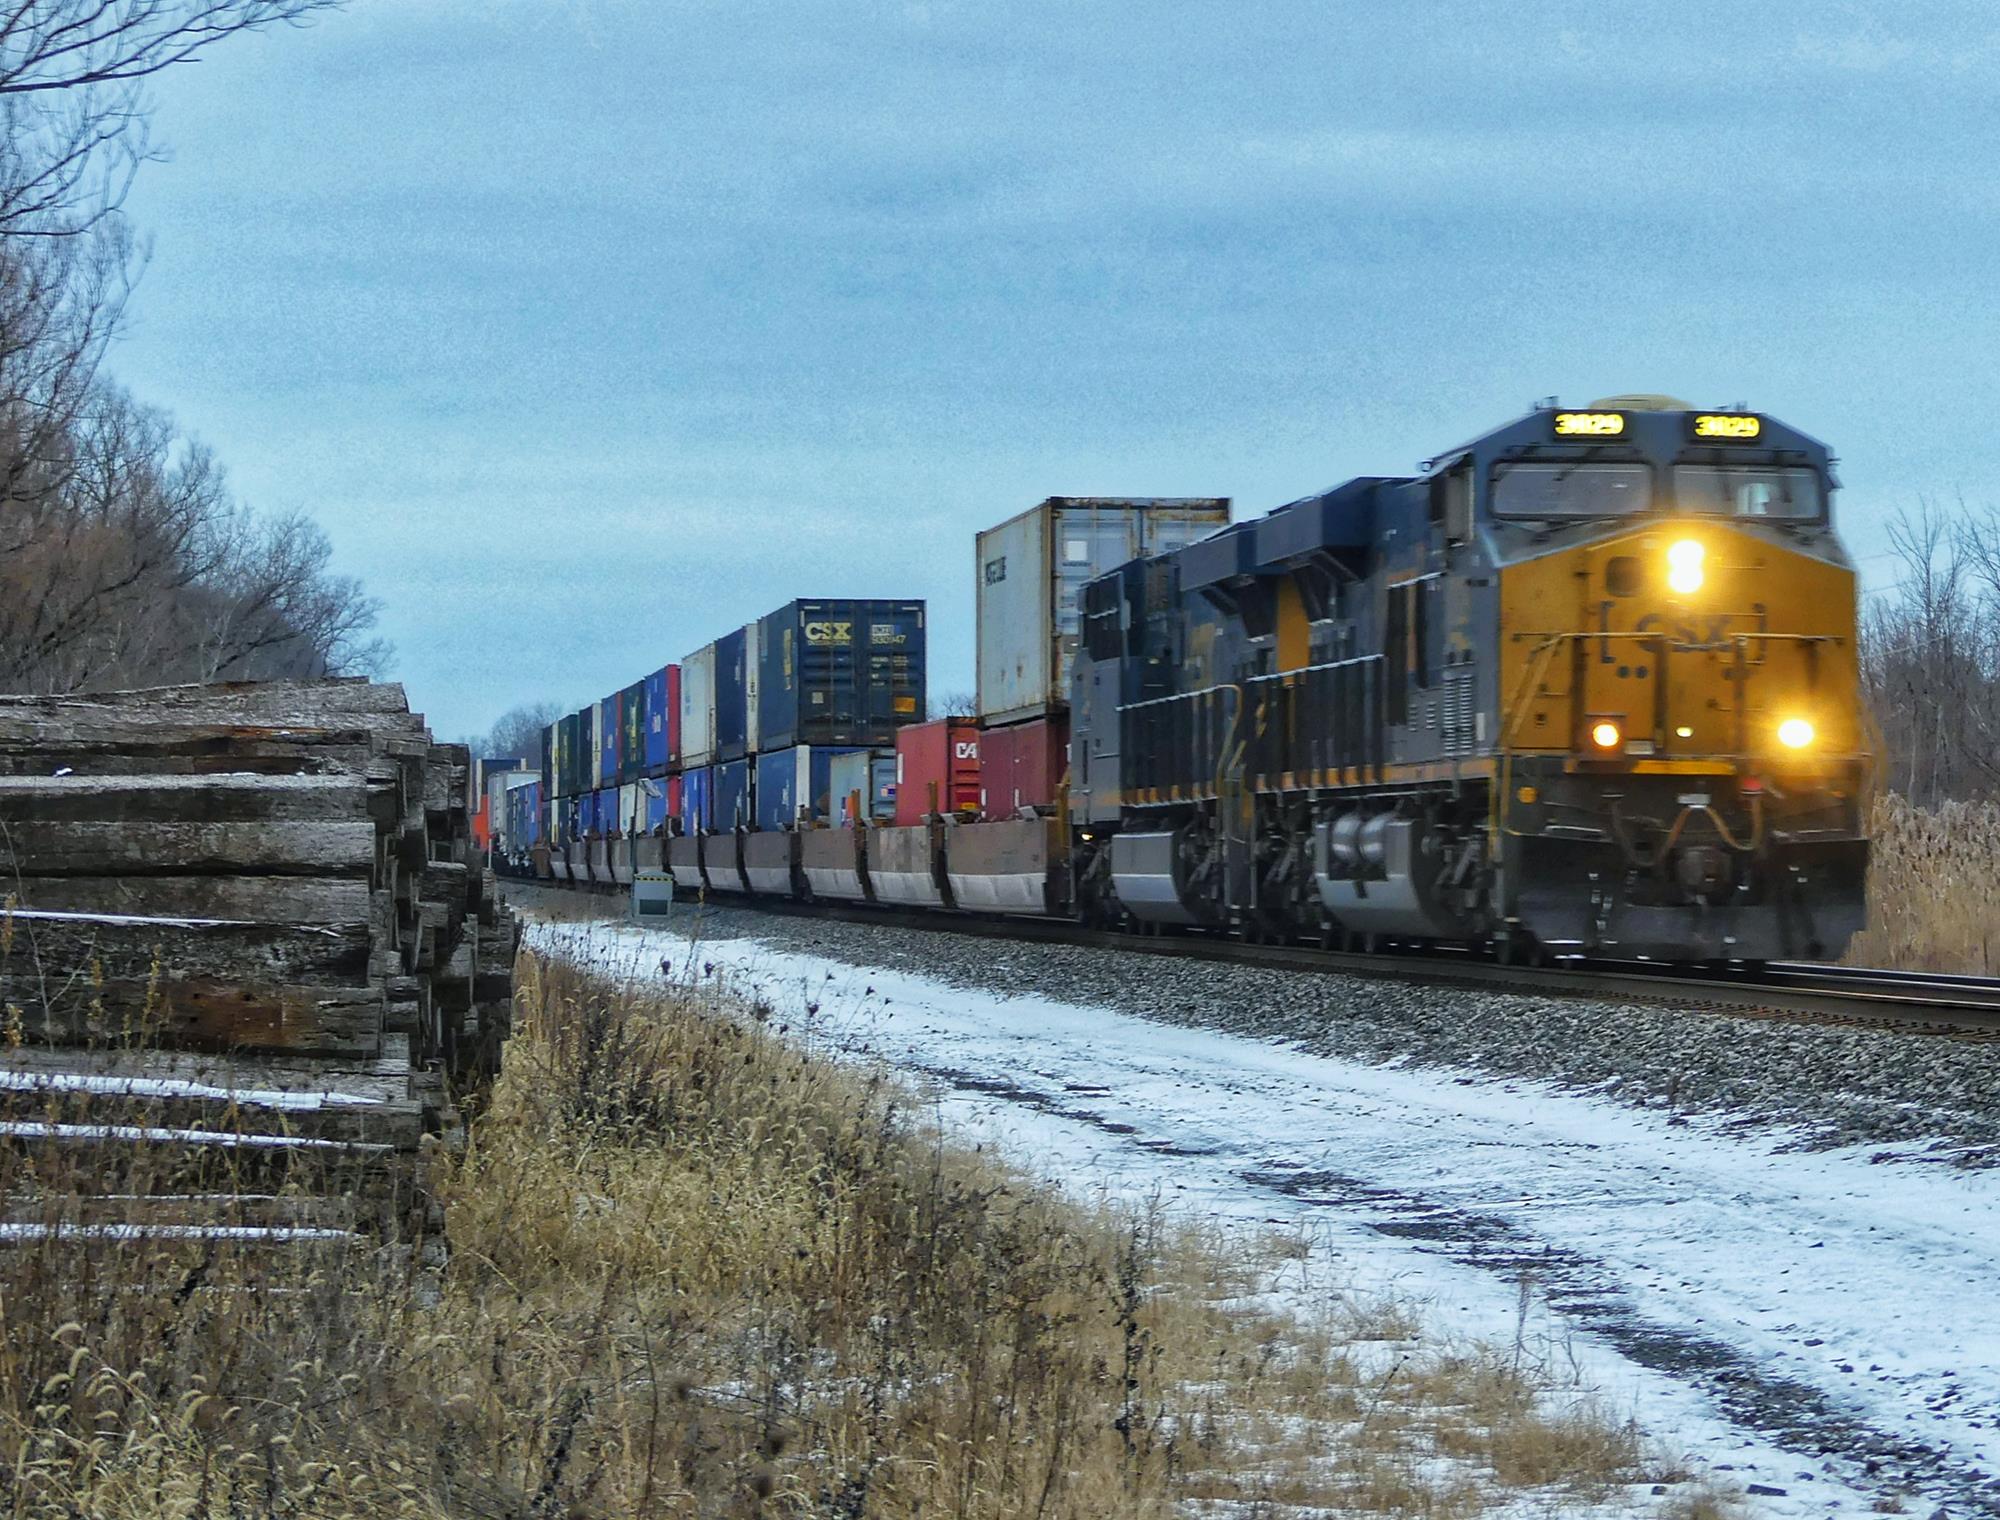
1811 1322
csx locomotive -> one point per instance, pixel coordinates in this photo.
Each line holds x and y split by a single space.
1586 684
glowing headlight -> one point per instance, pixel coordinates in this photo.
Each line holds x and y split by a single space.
1795 733
1605 735
1684 574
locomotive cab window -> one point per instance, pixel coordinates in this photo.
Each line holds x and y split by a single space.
1578 489
1773 492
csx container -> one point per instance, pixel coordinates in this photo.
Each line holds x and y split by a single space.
1029 570
1021 765
789 780
870 772
848 672
735 800
732 733
663 721
937 769
697 706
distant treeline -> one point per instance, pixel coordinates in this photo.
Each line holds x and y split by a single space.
1931 657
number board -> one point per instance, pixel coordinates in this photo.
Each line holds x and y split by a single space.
1727 427
1590 424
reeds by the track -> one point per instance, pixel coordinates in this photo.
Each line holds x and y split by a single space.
1933 888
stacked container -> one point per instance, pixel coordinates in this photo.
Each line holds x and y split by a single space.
697 809
869 772
937 769
632 733
844 672
663 720
793 780
732 718
1021 765
735 801
1029 571
697 707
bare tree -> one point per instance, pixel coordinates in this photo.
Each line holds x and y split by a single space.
1931 655
517 733
953 704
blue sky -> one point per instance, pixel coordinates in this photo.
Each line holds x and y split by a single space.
588 328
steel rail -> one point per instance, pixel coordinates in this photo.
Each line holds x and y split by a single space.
1921 1002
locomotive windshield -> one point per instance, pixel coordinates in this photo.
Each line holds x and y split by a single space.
1576 489
1748 490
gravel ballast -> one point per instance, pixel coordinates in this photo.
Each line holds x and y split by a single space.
1936 1099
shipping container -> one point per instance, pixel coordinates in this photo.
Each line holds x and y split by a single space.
697 810
633 710
732 734
658 803
753 645
697 707
565 737
872 773
735 795
582 750
548 760
1021 765
607 741
1027 575
842 672
663 719
631 809
937 769
795 778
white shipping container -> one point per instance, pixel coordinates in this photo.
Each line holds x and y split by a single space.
596 745
631 809
753 658
698 708
1028 572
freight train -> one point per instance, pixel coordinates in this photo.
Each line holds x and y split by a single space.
1586 684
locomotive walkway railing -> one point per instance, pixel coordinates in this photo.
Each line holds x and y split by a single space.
1180 748
1322 725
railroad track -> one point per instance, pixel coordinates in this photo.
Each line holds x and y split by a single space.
1918 1002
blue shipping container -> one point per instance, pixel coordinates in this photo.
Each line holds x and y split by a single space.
735 799
732 698
789 779
656 724
607 742
697 800
840 672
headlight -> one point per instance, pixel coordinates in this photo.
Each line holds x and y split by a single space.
1605 735
1795 733
1684 573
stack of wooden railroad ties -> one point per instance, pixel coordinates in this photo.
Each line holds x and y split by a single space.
249 960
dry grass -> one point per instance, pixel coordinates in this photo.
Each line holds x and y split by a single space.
1933 888
696 1272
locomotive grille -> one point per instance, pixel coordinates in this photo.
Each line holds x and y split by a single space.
1460 700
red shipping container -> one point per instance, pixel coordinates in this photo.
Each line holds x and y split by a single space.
1022 765
941 756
